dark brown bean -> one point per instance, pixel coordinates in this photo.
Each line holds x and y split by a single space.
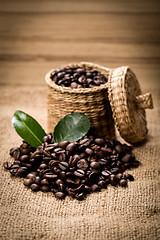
63 144
82 164
63 166
7 165
102 184
123 182
113 180
45 188
129 176
89 151
60 195
95 188
127 158
71 147
28 182
34 187
79 173
99 141
95 165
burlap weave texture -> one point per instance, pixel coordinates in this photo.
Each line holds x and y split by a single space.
115 213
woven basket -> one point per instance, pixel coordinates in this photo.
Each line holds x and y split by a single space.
93 102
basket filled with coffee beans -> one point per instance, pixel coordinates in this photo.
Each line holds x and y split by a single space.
108 97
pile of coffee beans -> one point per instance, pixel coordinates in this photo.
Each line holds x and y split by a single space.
72 168
76 77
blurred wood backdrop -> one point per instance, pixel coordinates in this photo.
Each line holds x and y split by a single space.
37 35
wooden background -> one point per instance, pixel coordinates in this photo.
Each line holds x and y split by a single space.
37 35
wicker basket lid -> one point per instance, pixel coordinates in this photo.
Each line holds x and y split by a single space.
128 104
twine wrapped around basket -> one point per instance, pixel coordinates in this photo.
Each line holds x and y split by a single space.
91 101
118 102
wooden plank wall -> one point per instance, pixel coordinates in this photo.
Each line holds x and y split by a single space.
37 35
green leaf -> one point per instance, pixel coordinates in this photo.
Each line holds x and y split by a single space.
28 128
72 127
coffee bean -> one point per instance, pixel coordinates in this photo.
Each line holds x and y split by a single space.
127 158
25 151
34 187
123 182
31 176
93 177
73 160
115 170
87 189
82 164
113 180
43 166
99 141
103 162
95 188
12 150
13 171
89 151
71 147
63 166
119 148
79 196
62 175
28 182
7 165
63 144
22 172
85 142
16 154
129 176
45 188
119 176
95 165
60 195
24 145
106 173
50 176
79 173
37 180
106 151
102 184
45 182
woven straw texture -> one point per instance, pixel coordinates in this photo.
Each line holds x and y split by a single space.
91 101
128 103
113 214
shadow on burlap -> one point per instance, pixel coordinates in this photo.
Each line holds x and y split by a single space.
114 213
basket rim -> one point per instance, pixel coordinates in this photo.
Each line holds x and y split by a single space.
51 84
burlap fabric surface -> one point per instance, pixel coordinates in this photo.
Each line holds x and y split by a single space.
115 213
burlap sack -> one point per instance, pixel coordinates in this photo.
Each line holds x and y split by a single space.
115 213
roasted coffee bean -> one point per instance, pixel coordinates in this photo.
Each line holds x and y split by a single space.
7 165
123 182
106 151
113 180
28 182
119 176
89 151
62 175
43 166
73 168
87 189
13 171
71 147
63 166
25 151
95 165
79 173
106 173
127 158
115 170
12 150
37 180
60 195
63 144
102 184
103 162
80 196
119 148
31 175
34 187
24 158
82 164
45 188
99 141
93 177
50 176
45 182
16 154
95 188
129 176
